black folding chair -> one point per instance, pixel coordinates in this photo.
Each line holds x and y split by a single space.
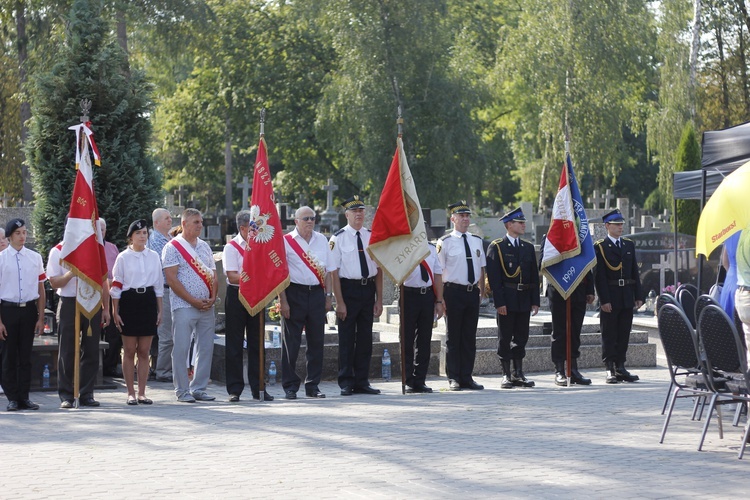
687 301
726 365
703 301
683 360
690 288
665 298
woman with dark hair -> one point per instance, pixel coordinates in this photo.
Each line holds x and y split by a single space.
137 289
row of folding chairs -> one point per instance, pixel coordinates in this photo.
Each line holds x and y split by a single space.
706 362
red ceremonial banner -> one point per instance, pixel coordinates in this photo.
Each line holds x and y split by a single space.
264 268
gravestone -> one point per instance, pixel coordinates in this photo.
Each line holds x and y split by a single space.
247 187
329 219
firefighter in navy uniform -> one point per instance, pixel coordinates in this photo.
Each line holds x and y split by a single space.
618 285
514 280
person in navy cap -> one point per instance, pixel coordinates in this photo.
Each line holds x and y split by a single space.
462 258
358 288
21 313
514 279
618 285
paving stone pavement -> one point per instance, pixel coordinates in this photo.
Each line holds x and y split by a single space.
548 442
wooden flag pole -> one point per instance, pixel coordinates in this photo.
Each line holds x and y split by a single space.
567 340
77 358
262 356
401 337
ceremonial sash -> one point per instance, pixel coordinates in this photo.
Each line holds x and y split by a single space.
319 272
238 247
429 273
192 259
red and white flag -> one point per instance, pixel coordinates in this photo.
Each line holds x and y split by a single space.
398 242
562 238
83 246
264 268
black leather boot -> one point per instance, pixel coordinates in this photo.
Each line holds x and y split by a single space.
624 375
575 376
560 378
506 383
611 375
518 378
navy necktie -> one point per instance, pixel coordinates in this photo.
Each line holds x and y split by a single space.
469 260
362 259
425 274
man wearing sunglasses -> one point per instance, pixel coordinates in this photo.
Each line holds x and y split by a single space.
304 303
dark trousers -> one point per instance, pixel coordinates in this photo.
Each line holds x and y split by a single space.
559 332
307 309
461 340
239 325
355 333
615 328
513 334
113 354
418 315
19 324
67 338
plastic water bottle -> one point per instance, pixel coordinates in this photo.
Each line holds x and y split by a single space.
272 374
276 340
386 365
45 377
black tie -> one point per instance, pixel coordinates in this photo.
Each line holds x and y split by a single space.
618 244
425 275
469 261
516 243
362 259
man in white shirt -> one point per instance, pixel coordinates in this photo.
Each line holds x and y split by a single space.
21 314
191 275
305 302
158 238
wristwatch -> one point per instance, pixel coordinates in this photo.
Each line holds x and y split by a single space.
329 294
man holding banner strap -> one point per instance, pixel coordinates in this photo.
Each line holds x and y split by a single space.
619 287
514 279
304 303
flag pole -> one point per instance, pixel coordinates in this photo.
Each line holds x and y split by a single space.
400 123
568 332
262 313
77 354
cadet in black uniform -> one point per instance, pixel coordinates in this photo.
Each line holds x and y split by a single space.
462 258
619 287
514 280
358 288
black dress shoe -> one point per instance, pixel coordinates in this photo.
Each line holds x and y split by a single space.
266 396
472 386
418 389
28 404
315 393
346 391
453 385
368 389
290 394
12 406
234 398
625 376
89 402
66 404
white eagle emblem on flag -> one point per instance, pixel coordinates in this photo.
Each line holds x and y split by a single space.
262 230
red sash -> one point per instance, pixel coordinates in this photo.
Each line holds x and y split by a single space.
199 268
429 273
238 247
305 258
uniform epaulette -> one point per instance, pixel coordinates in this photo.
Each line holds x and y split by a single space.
430 243
525 241
626 239
338 232
368 230
476 236
598 241
443 237
497 241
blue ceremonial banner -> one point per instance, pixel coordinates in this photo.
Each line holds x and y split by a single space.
566 274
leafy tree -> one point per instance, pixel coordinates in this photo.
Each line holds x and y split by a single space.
92 66
688 157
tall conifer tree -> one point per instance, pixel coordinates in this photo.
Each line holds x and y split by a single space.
92 66
688 157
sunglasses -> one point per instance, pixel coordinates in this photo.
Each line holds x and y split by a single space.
308 218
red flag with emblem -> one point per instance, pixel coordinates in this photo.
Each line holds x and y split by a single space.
83 246
264 267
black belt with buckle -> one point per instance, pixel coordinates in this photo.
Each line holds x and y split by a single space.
309 288
30 303
140 290
518 286
466 288
621 282
422 290
360 281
